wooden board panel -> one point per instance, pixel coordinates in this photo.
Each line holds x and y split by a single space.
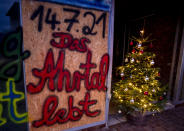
68 65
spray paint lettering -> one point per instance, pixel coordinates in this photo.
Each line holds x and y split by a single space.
11 76
55 74
12 97
2 120
50 71
61 116
12 49
86 29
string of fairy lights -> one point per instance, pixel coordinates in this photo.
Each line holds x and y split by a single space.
139 87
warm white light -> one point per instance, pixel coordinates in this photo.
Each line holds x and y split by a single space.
132 60
139 45
142 31
153 90
152 62
122 74
146 78
132 101
126 59
126 89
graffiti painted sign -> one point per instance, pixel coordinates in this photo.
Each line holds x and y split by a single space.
67 70
12 91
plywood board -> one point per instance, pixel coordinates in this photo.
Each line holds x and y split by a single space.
67 69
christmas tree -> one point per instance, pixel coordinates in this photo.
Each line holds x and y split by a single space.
139 88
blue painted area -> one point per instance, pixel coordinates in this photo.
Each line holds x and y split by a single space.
12 96
104 5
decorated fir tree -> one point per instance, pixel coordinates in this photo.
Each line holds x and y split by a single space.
139 88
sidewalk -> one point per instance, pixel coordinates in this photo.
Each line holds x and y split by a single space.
170 120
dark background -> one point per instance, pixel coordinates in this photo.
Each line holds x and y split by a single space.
158 19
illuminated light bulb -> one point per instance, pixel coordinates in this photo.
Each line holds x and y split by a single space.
142 100
122 74
150 104
119 97
130 84
121 100
165 93
140 91
146 78
119 111
132 60
152 62
142 31
126 89
145 105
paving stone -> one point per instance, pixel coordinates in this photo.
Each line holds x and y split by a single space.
106 129
169 120
159 129
113 121
148 128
